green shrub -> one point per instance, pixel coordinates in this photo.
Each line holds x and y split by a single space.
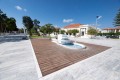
92 31
110 34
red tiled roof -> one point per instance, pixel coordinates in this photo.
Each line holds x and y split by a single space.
108 28
73 26
117 27
112 28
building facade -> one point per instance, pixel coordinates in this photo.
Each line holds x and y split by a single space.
80 27
113 30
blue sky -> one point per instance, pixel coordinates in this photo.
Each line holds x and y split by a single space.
62 12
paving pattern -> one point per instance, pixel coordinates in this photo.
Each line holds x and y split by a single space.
52 57
17 61
103 66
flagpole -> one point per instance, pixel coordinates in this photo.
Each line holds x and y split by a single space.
96 23
97 17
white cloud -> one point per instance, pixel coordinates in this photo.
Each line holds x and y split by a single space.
25 10
67 20
18 8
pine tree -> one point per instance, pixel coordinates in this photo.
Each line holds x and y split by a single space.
117 19
28 23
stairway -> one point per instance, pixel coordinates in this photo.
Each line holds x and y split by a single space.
13 37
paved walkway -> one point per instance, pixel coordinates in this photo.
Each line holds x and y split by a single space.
103 42
103 66
17 61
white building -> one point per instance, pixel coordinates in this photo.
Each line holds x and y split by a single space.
108 30
80 27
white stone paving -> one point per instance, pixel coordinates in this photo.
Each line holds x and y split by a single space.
103 66
17 61
104 42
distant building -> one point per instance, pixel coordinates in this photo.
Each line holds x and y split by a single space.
80 27
108 30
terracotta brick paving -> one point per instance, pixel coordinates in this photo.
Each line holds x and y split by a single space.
52 57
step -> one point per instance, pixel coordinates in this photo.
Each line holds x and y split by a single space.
13 37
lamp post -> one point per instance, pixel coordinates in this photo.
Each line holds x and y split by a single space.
97 18
96 23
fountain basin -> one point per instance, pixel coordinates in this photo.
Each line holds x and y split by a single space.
64 41
73 45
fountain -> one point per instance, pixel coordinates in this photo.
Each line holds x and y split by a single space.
64 41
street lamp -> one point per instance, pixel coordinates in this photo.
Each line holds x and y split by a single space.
97 18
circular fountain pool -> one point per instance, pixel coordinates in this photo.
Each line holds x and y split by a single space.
73 46
70 46
64 41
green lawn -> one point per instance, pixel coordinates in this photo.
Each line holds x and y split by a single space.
36 36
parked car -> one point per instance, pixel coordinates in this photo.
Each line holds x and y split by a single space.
113 36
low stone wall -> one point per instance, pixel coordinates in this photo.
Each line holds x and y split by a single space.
13 37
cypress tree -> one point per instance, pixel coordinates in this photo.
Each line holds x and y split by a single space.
117 19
